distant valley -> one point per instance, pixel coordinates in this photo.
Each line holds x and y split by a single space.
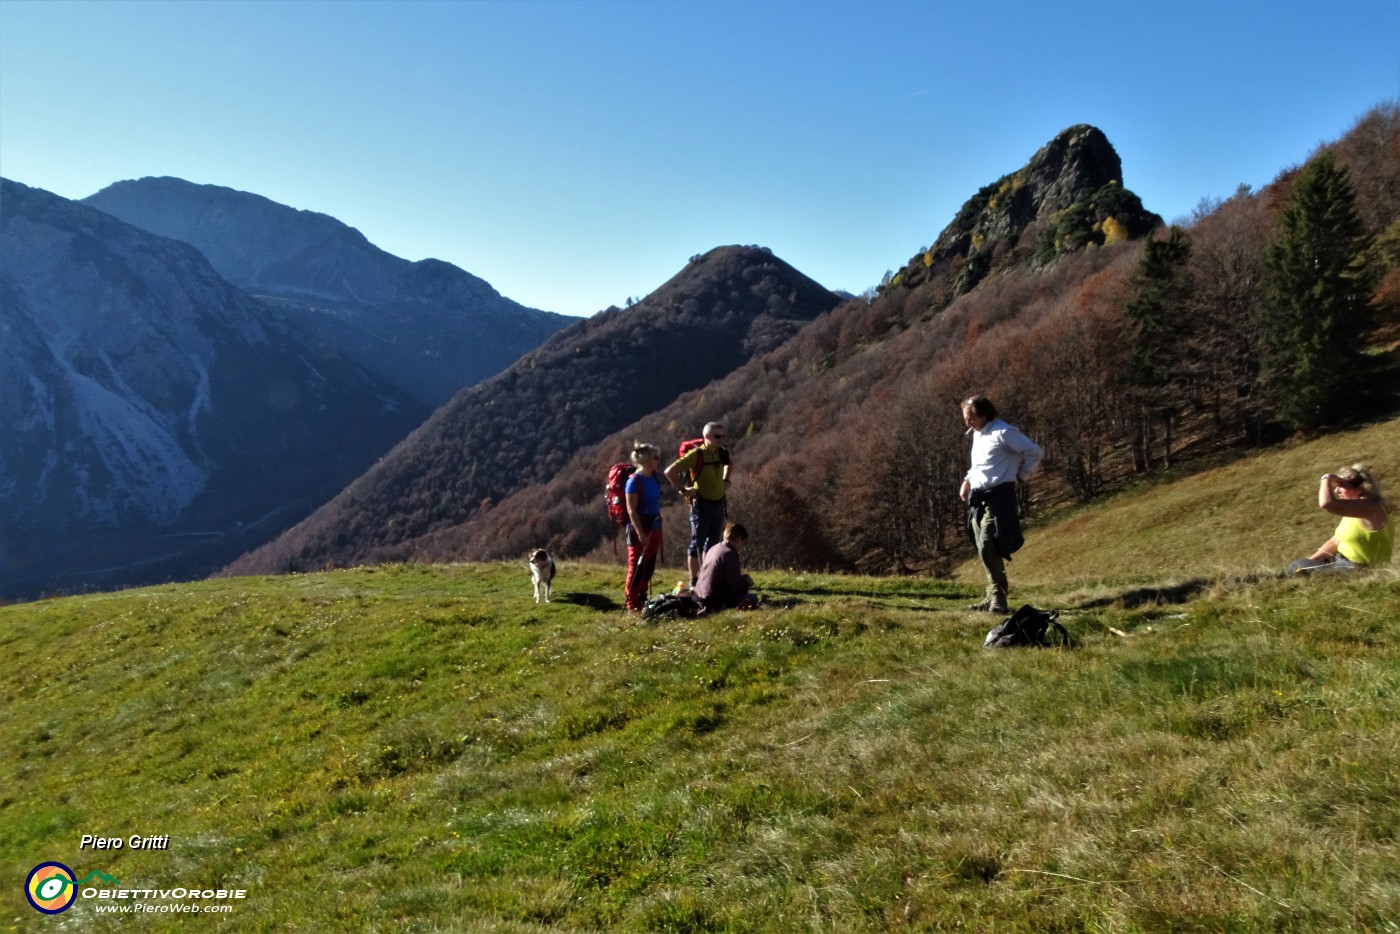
160 419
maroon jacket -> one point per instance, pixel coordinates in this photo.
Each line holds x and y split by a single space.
721 582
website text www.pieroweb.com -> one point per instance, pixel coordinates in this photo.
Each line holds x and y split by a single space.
54 888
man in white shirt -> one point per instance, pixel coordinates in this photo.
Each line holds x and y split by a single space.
1001 455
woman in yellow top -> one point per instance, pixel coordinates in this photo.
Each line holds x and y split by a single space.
1366 535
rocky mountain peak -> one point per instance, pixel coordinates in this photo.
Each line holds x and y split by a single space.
1078 160
248 238
1069 194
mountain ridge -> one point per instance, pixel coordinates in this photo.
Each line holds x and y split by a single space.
146 399
429 327
1068 194
1026 307
723 307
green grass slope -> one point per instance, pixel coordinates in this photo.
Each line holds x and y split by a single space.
1250 516
418 748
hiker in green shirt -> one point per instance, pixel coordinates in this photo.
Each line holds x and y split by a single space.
706 475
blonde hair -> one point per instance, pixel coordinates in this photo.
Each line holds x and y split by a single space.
1361 474
640 452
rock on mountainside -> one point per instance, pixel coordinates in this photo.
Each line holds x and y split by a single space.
428 327
155 420
1068 195
521 426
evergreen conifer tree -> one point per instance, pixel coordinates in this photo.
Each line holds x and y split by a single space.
1317 297
1158 309
1160 344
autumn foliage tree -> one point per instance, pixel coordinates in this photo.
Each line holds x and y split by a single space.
1226 274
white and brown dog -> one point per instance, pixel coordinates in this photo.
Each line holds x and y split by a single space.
542 574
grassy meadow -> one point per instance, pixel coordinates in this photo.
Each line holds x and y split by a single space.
1247 516
422 748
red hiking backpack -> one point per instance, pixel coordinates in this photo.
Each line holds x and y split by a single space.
688 446
615 494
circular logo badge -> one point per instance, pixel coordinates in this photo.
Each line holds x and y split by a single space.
50 888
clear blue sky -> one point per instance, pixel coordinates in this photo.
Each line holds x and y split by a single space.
575 154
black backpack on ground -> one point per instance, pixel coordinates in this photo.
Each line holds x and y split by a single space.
1029 626
670 606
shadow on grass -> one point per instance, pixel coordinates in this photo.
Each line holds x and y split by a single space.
816 592
912 601
594 601
1149 596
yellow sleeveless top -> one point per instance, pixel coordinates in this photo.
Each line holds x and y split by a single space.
1360 546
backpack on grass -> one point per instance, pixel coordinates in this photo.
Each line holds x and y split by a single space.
1029 626
670 606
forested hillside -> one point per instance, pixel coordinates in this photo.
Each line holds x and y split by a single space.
1119 356
523 425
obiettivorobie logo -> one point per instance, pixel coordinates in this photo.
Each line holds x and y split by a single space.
53 887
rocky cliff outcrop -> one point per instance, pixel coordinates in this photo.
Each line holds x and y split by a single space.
1068 195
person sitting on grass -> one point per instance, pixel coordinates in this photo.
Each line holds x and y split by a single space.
722 583
1366 535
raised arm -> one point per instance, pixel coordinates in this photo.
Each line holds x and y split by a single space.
1369 511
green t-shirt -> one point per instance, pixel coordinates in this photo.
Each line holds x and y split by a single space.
1358 545
712 463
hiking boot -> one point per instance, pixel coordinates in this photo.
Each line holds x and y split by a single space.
988 606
